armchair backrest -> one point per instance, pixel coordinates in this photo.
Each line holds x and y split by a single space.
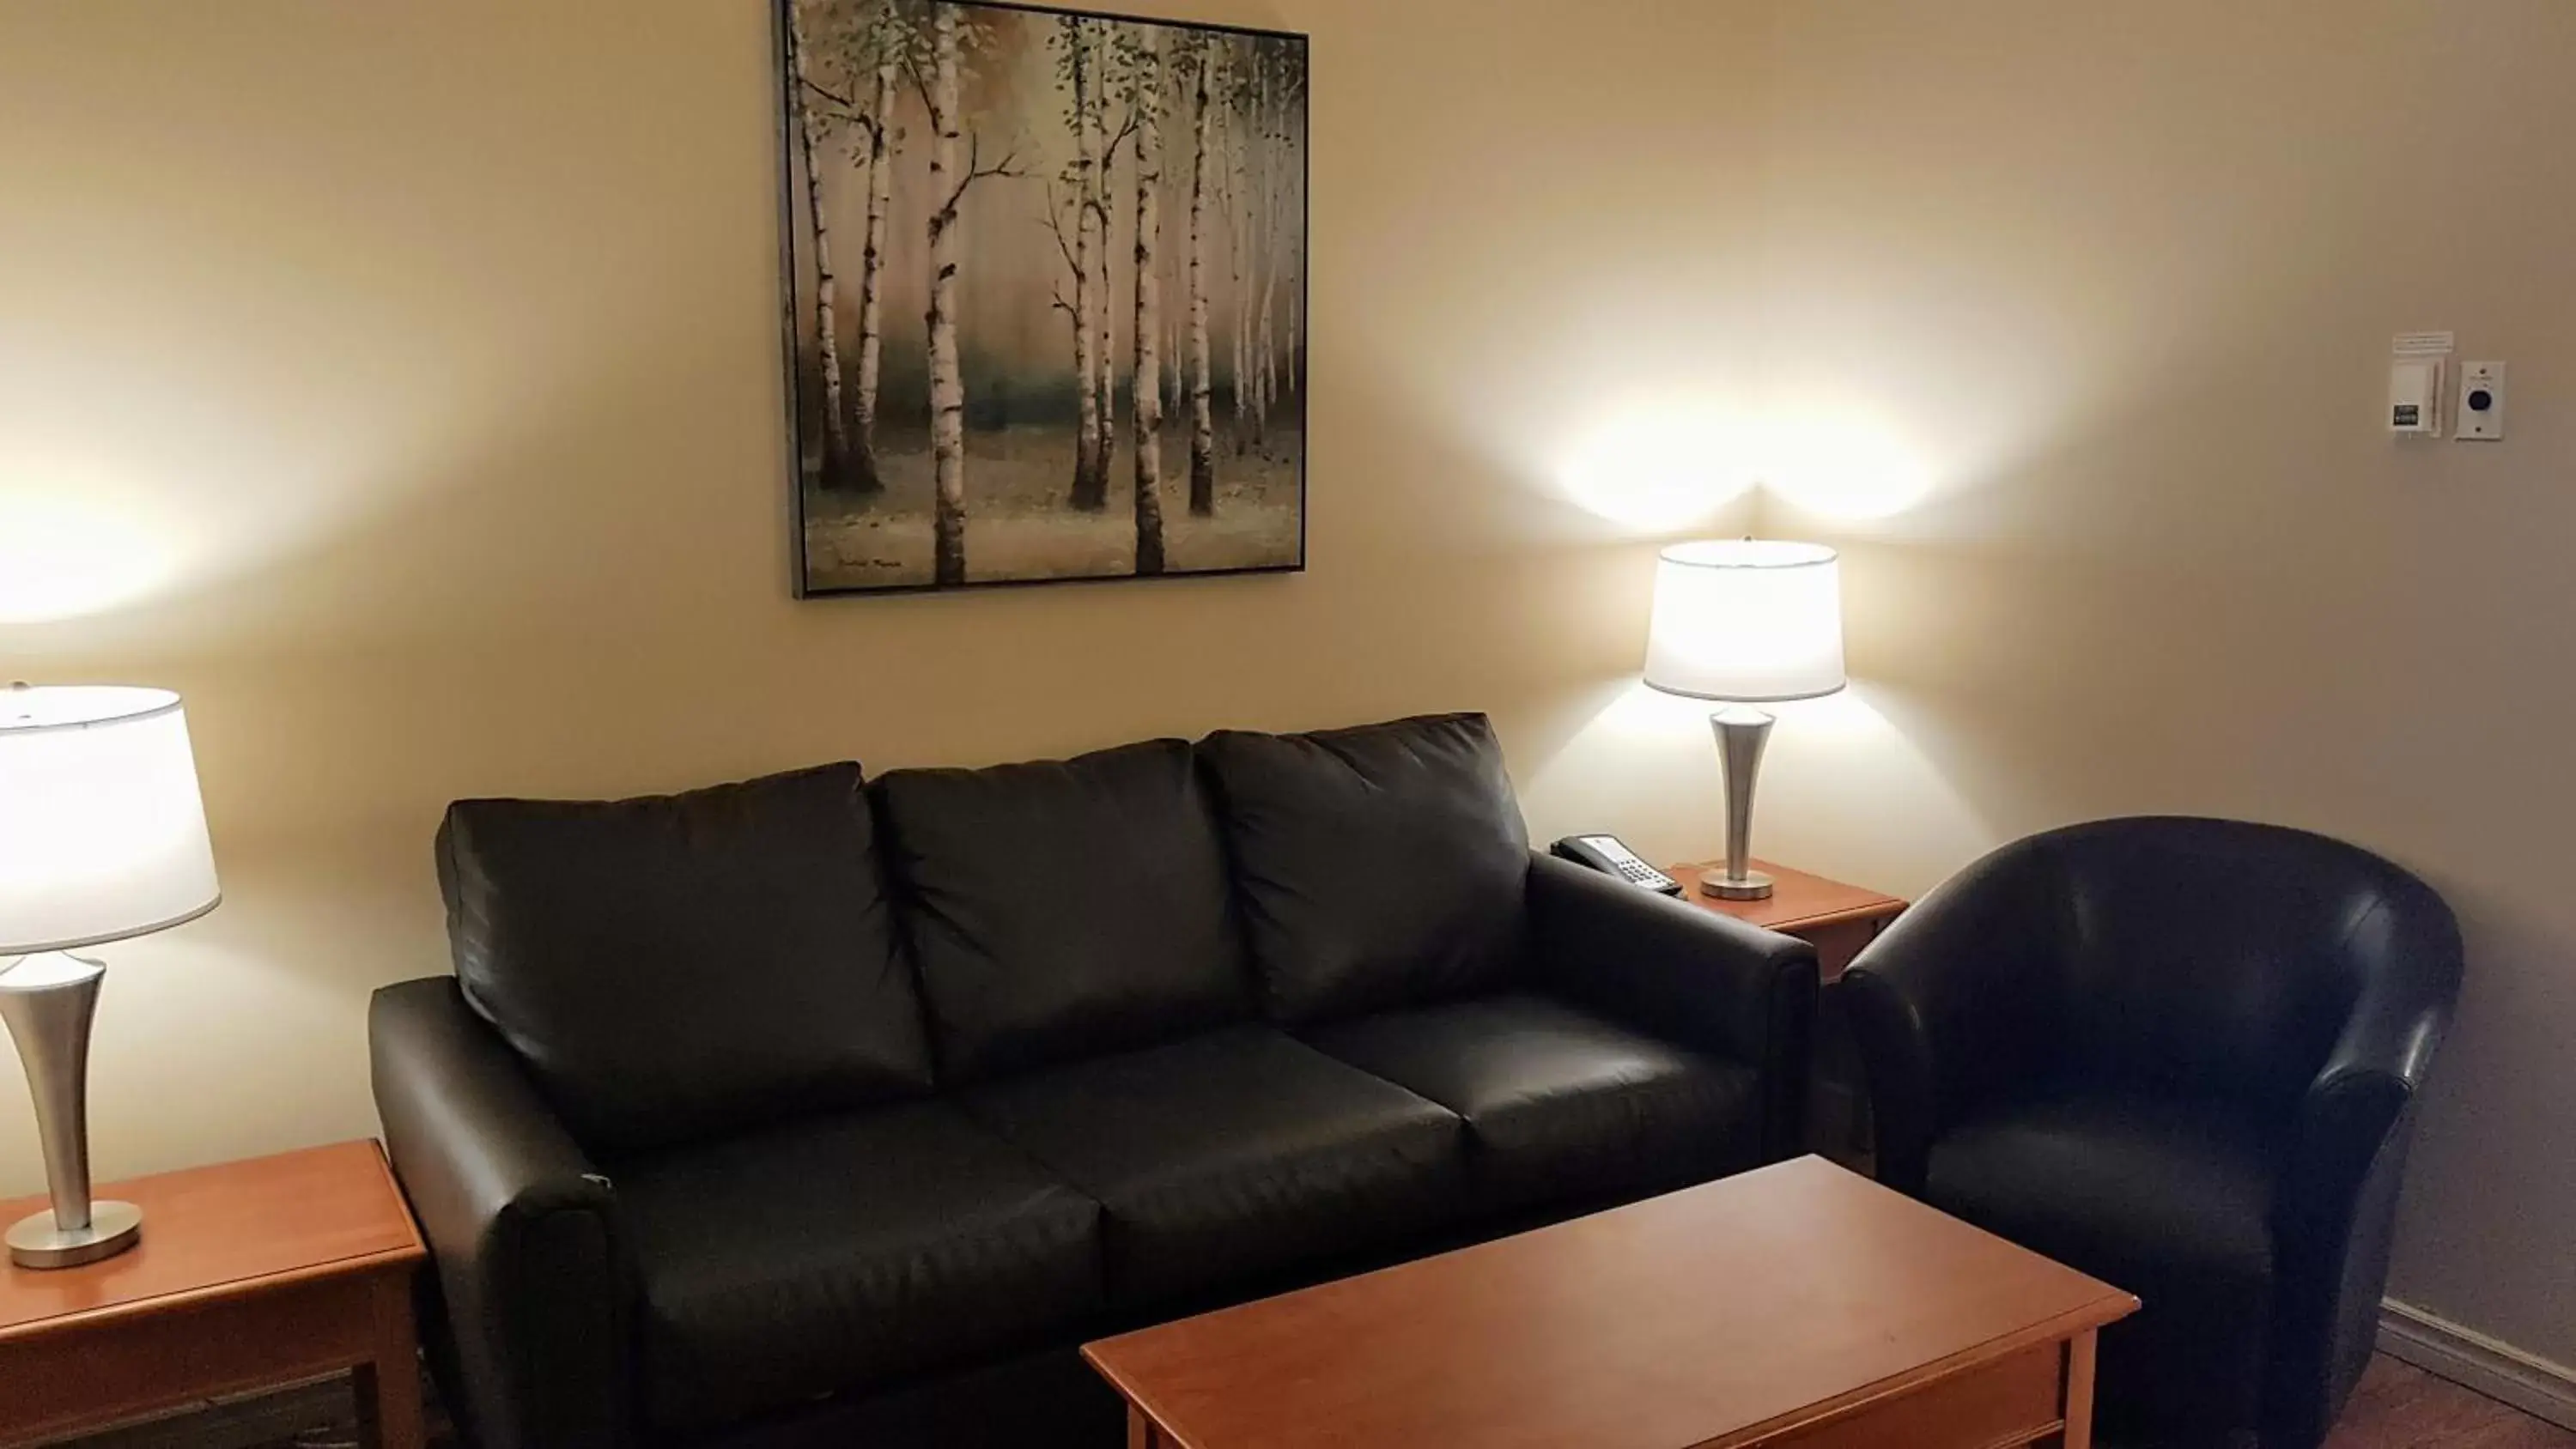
2221 958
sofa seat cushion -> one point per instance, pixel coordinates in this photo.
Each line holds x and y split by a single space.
840 1253
1233 1158
679 966
1067 908
1561 1106
1377 867
2169 1200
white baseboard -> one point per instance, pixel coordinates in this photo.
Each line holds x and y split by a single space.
2464 1356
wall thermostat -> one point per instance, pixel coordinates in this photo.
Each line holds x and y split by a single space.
2415 368
2415 396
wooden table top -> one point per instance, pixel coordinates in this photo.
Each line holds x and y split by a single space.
212 1232
1714 1316
1798 900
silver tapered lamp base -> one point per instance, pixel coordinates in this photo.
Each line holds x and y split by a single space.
1741 733
1753 885
40 1242
48 1001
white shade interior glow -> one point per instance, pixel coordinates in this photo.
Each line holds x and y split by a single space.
102 832
1750 620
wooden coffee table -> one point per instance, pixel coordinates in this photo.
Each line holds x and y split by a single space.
1796 1305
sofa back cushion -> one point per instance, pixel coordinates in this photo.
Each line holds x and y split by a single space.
677 966
1375 866
1063 909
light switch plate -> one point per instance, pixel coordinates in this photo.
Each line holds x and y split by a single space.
2481 415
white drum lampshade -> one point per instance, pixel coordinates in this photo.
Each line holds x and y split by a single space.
102 832
102 836
1747 621
1750 620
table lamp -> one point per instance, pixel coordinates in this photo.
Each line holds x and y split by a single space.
102 836
1747 621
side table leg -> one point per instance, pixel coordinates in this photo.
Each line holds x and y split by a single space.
2079 1391
389 1409
1141 1432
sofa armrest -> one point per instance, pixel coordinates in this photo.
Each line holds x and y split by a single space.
1691 976
1949 1004
521 1228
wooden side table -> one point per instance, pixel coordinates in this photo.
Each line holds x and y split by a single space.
250 1275
1838 920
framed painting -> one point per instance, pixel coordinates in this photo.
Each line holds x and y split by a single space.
1045 286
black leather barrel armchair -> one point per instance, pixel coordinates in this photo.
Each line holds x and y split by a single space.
814 1110
2181 1055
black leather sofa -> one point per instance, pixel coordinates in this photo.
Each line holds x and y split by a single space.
808 1111
2181 1055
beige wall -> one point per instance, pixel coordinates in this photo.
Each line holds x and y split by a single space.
400 382
2112 287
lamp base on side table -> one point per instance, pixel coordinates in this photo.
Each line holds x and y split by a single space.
1753 886
48 1000
1741 734
34 1242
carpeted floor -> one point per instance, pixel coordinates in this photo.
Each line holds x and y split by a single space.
2397 1407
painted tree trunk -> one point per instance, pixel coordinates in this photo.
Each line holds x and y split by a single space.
1240 363
1103 306
947 384
1202 418
1105 303
1291 340
1179 391
1090 472
1175 356
1266 384
837 471
1239 209
1265 377
1148 372
872 276
1266 343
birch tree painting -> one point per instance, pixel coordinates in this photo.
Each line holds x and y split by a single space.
1046 279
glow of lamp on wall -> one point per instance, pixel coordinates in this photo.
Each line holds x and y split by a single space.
63 556
1656 470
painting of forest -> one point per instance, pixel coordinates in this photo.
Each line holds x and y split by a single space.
1046 288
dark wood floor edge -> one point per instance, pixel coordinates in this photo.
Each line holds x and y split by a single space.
2474 1361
